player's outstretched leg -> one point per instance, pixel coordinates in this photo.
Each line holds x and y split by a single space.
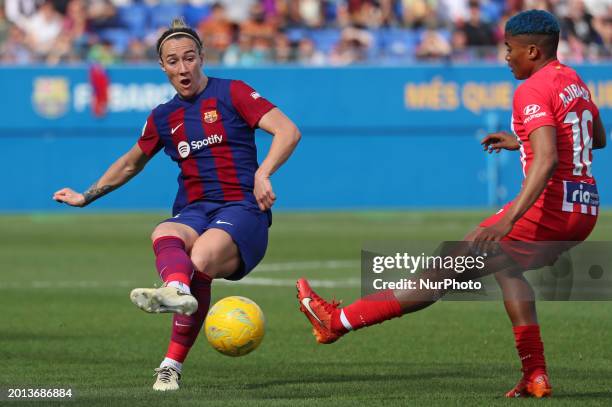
175 269
329 322
185 330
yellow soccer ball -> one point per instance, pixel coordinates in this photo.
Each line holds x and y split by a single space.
235 326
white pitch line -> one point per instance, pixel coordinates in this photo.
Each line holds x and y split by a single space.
249 280
309 265
277 282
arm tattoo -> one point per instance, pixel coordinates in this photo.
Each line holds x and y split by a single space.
94 192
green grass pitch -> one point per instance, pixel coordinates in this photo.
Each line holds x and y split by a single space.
67 322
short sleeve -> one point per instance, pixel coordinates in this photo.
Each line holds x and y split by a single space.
533 108
149 141
251 106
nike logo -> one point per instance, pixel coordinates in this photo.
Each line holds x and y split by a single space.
179 324
180 293
176 128
220 222
306 304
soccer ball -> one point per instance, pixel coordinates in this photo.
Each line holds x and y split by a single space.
235 326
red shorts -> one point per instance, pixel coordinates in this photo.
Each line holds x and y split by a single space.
543 225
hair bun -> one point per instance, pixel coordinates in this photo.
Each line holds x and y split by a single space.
178 22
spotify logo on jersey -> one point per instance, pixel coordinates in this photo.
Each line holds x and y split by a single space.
183 149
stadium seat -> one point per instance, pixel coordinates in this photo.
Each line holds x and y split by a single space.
296 34
398 42
376 46
161 15
325 39
134 18
119 37
330 11
194 14
492 10
446 34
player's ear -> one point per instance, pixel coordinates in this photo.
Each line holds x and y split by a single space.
161 64
532 51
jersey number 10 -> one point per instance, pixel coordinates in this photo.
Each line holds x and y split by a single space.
583 142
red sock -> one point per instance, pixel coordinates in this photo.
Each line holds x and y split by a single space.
172 261
369 310
185 328
530 349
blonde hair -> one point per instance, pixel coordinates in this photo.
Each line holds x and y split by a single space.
178 22
178 28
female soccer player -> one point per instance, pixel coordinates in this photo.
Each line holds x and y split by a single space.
556 125
221 214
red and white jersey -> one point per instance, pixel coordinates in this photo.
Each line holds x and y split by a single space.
556 96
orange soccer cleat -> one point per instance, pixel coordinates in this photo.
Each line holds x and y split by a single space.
536 386
318 311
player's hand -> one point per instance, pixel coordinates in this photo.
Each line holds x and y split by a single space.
69 197
498 141
263 191
485 239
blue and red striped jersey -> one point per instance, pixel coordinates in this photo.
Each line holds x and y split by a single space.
212 139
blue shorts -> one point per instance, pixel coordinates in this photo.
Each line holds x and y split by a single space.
242 220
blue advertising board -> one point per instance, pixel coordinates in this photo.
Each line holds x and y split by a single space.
392 137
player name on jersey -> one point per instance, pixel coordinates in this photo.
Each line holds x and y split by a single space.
572 92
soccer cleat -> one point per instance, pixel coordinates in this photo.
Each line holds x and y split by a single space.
168 379
164 299
318 311
537 386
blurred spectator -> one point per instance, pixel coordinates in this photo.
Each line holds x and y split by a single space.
420 13
43 29
352 47
62 51
101 14
245 54
15 49
307 53
478 32
75 20
460 51
238 10
313 32
19 11
102 52
599 8
433 45
216 32
283 49
260 31
308 13
4 26
74 28
455 11
257 25
366 13
606 36
579 23
136 52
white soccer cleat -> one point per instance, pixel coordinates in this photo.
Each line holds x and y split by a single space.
168 379
164 299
